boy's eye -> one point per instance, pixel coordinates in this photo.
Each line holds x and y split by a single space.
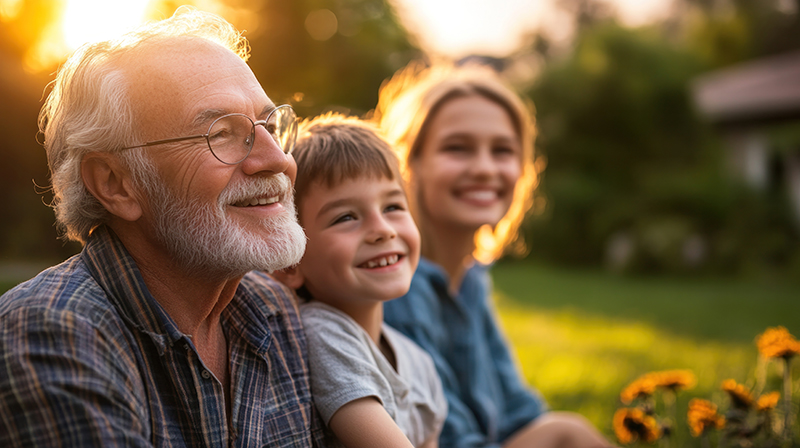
395 208
343 218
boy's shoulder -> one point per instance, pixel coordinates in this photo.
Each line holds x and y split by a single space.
321 320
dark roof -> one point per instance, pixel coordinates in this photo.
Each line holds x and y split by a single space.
762 90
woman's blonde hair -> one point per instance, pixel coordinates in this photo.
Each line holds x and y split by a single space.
406 105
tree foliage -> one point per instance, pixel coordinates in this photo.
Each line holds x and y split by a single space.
343 71
634 177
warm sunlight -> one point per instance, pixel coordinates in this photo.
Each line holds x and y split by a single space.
65 25
82 21
497 27
91 20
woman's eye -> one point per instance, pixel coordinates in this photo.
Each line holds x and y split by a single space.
503 150
455 147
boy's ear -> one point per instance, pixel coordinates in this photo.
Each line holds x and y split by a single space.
107 180
291 277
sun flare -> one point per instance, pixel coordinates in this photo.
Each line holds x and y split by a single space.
92 20
79 22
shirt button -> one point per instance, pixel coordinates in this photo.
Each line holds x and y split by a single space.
206 374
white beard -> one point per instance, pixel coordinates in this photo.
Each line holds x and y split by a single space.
204 240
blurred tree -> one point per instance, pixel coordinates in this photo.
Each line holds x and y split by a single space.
329 54
723 32
635 178
26 229
626 158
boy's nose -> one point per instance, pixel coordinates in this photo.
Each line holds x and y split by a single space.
380 230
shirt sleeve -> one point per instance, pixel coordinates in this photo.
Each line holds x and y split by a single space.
439 402
341 364
64 383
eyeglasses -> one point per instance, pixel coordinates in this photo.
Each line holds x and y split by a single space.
230 137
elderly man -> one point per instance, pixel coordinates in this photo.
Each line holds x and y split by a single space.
172 166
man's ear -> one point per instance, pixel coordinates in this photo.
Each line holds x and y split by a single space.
108 181
291 277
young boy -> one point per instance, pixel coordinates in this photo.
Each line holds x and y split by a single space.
372 385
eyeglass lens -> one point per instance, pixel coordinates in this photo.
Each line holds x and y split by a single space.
231 137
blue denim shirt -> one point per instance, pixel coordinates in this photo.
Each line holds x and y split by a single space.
88 357
487 398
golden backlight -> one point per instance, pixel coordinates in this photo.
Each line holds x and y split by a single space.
92 20
64 25
71 23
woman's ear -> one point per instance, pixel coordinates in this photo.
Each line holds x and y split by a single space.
291 277
109 182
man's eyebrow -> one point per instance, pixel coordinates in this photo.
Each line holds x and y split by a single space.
267 110
207 115
204 116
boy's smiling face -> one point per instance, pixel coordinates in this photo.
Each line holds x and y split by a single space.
363 245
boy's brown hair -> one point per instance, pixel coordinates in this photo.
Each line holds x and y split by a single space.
333 148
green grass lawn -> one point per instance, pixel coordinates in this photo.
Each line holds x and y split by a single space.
581 336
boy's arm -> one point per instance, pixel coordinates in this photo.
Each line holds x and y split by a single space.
364 423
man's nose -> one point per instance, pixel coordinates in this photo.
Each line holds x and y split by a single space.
266 155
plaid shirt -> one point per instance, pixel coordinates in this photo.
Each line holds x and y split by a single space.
89 358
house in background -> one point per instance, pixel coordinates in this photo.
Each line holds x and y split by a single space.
756 108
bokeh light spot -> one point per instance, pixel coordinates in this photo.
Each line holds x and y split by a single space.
321 24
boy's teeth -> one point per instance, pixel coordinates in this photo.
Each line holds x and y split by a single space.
381 262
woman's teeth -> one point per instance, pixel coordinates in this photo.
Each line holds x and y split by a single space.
381 262
480 195
256 201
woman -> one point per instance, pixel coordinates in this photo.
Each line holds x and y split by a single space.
465 142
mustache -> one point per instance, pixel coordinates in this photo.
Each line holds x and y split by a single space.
277 185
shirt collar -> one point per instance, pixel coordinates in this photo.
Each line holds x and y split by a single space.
436 274
114 269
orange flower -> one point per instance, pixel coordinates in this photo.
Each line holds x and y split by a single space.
740 396
646 385
702 415
640 388
777 342
768 401
674 379
631 424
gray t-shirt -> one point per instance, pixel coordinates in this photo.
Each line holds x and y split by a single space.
347 365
